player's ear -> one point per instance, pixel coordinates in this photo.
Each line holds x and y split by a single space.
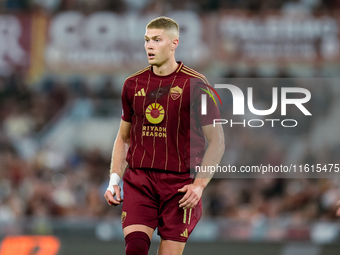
174 43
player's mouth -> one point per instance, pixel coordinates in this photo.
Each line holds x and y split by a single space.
151 55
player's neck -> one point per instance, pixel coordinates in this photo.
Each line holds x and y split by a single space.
165 69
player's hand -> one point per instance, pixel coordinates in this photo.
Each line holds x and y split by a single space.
110 197
192 196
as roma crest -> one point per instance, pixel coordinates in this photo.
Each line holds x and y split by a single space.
123 216
176 92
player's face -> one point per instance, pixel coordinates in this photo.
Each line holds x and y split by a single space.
159 46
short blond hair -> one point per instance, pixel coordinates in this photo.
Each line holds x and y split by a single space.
165 23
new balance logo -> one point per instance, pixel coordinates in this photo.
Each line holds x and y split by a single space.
185 233
140 93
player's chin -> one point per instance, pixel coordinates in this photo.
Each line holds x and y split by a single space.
152 62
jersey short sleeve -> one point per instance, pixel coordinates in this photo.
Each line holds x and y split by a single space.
127 110
213 111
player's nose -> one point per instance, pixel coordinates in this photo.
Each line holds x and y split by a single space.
149 45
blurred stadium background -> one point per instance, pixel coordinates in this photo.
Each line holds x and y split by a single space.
62 67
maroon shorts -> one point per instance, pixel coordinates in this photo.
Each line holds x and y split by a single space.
151 198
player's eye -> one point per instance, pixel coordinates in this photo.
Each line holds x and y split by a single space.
146 40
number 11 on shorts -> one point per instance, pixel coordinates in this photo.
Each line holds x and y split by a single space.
185 216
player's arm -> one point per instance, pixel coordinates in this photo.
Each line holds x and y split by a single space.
118 163
212 156
337 213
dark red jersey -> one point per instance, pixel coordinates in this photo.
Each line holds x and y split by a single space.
165 113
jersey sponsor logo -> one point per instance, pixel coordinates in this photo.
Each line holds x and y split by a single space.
140 93
154 113
185 233
154 131
176 92
123 216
